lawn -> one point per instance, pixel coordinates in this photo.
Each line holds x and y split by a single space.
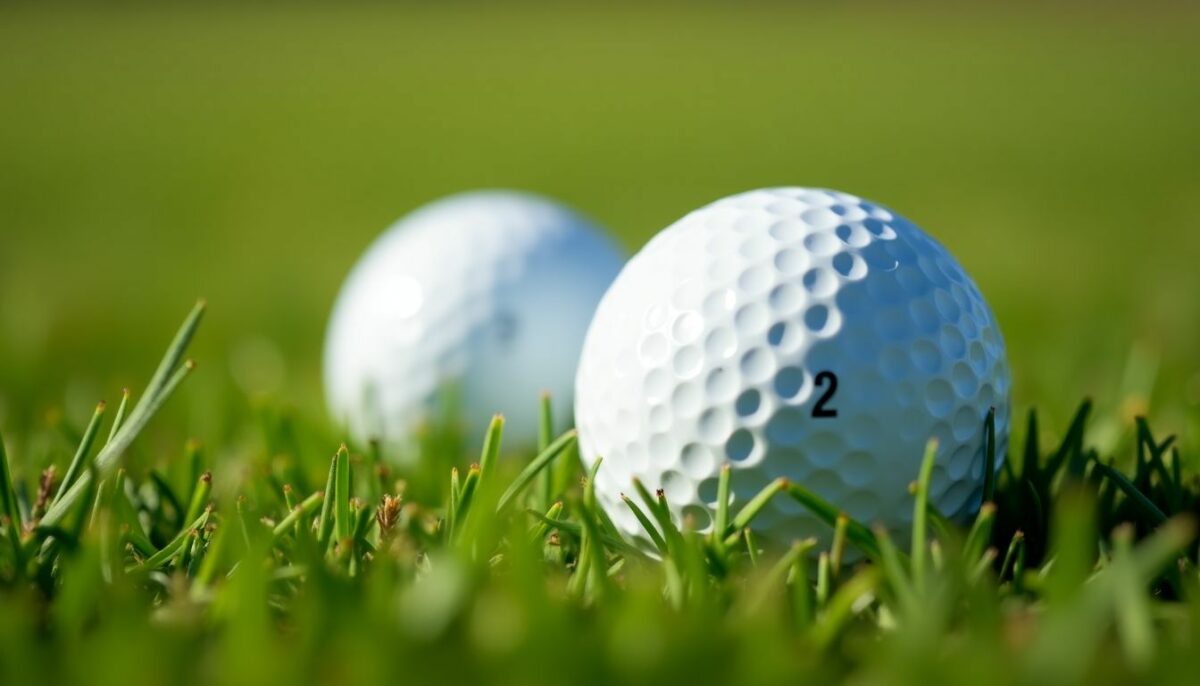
248 155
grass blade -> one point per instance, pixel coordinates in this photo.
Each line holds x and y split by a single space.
119 419
920 516
893 570
989 457
531 470
341 495
755 505
1015 546
751 546
325 521
838 548
78 462
10 509
980 534
647 525
1070 452
470 484
199 497
721 519
539 530
856 533
1154 515
491 445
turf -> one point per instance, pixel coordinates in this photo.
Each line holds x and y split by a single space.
140 567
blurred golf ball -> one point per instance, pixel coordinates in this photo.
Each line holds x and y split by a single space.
481 300
796 333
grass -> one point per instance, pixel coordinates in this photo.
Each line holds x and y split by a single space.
1080 568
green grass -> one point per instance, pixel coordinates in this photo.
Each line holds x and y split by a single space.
250 154
1078 569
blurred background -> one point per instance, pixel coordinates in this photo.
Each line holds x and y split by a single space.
149 156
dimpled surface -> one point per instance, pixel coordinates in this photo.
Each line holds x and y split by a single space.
486 293
707 350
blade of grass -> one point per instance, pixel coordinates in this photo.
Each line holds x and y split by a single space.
985 562
838 548
11 510
856 533
289 500
989 457
647 526
306 507
491 445
1010 556
721 519
751 546
341 494
452 505
920 515
172 360
470 485
1029 461
79 461
652 504
756 504
599 560
1070 451
207 570
1153 515
119 419
577 584
894 574
545 436
363 520
542 527
199 497
823 581
325 521
531 470
671 532
802 600
980 534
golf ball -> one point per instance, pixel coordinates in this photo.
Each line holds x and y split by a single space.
479 301
798 333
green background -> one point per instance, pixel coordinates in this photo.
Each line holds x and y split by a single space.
249 155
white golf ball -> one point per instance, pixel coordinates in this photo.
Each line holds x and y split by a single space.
798 333
483 296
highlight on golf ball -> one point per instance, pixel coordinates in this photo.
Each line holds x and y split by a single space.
479 301
798 333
